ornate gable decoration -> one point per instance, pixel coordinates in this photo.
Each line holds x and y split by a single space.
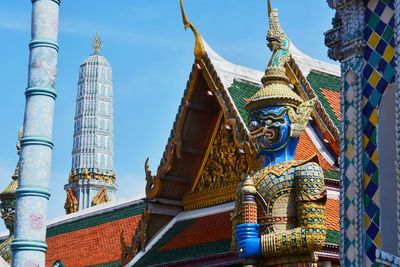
71 203
101 197
220 174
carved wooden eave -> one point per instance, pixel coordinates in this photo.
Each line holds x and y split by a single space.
206 106
225 110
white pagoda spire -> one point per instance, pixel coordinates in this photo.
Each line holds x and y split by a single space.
92 178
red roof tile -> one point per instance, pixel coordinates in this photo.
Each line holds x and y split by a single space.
333 99
332 214
306 149
203 230
93 245
218 227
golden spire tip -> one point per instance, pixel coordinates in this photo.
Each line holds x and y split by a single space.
97 43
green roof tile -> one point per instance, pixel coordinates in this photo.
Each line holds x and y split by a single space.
153 256
332 237
333 175
319 80
239 91
108 264
156 256
92 221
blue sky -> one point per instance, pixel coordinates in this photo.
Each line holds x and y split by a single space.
151 56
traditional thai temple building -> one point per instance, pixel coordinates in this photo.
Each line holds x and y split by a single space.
92 178
365 39
186 217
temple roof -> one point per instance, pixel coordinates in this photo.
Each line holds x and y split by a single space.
201 237
9 191
95 236
322 77
217 86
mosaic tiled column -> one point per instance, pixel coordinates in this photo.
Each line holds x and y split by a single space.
397 58
373 72
29 246
378 74
346 44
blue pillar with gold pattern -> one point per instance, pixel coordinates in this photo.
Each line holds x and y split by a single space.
29 246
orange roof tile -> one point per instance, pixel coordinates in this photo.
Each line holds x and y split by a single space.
332 214
306 149
333 99
93 245
203 230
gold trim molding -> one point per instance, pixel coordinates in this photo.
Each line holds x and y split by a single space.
220 175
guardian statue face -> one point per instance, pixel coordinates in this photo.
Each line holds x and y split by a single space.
270 127
7 213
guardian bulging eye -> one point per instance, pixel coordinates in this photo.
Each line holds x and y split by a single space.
253 125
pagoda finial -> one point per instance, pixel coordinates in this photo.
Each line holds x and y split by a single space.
97 43
199 50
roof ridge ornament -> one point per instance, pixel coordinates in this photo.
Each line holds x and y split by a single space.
97 43
199 50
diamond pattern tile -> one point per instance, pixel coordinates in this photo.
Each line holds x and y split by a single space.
379 72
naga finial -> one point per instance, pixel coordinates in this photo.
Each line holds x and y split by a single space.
277 39
199 50
97 43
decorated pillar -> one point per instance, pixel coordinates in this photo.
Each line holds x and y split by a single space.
348 24
29 246
362 40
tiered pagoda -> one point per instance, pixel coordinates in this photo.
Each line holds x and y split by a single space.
92 178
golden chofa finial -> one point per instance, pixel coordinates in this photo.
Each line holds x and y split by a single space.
199 50
97 43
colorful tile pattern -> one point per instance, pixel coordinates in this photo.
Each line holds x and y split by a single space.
93 240
211 235
179 243
378 73
351 169
327 88
305 149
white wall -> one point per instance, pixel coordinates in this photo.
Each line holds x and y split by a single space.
387 171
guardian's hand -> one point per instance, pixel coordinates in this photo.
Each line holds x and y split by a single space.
248 240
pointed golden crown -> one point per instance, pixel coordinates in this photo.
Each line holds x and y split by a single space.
276 89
